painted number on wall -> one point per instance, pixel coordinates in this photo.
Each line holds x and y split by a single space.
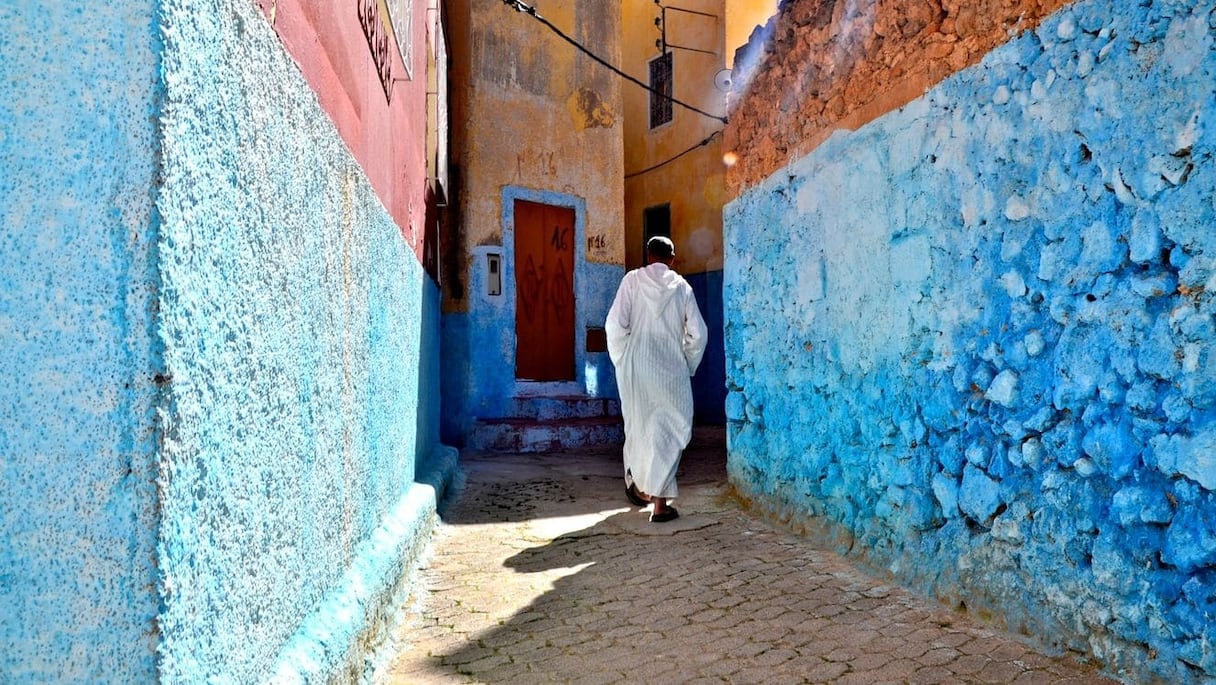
596 242
542 162
561 239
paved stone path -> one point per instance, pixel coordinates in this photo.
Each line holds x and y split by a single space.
541 572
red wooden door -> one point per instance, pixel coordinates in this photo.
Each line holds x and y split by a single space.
544 292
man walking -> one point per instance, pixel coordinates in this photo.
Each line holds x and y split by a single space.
656 338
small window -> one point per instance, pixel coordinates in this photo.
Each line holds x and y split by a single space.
661 81
655 221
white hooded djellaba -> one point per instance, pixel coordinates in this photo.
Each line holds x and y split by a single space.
656 338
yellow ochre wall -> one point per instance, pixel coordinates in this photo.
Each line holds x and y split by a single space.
742 17
529 110
693 185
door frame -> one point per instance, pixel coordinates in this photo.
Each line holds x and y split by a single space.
546 197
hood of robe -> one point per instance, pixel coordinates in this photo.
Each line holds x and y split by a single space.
659 282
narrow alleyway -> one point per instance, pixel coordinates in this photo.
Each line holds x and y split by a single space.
542 572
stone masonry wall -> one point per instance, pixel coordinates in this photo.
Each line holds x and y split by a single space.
974 341
823 65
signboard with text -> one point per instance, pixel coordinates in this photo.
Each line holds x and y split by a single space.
387 24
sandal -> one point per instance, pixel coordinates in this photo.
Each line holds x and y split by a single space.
635 498
668 514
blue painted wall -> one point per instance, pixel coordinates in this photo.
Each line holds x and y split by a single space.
220 447
479 344
78 350
982 352
293 316
709 383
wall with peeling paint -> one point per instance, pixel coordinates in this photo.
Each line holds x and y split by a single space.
220 454
531 118
824 65
530 108
980 352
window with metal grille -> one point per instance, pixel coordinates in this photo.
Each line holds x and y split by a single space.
401 13
661 81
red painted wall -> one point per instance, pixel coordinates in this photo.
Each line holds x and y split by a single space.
388 139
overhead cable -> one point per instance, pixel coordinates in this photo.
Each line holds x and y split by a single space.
521 6
665 162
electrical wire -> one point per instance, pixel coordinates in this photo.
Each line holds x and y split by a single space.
520 6
665 162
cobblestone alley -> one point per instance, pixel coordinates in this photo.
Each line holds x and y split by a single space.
542 572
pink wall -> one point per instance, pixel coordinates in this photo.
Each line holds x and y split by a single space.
388 140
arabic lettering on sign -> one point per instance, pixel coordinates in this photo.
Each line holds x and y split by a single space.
372 19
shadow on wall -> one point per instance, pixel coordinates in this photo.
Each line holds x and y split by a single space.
709 383
437 463
454 377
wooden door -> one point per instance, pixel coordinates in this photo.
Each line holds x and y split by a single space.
544 292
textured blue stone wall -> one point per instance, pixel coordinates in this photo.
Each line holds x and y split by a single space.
981 350
301 400
78 353
479 345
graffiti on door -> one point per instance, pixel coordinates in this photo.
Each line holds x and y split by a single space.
545 306
542 292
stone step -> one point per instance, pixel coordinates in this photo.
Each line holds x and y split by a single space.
555 408
531 435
